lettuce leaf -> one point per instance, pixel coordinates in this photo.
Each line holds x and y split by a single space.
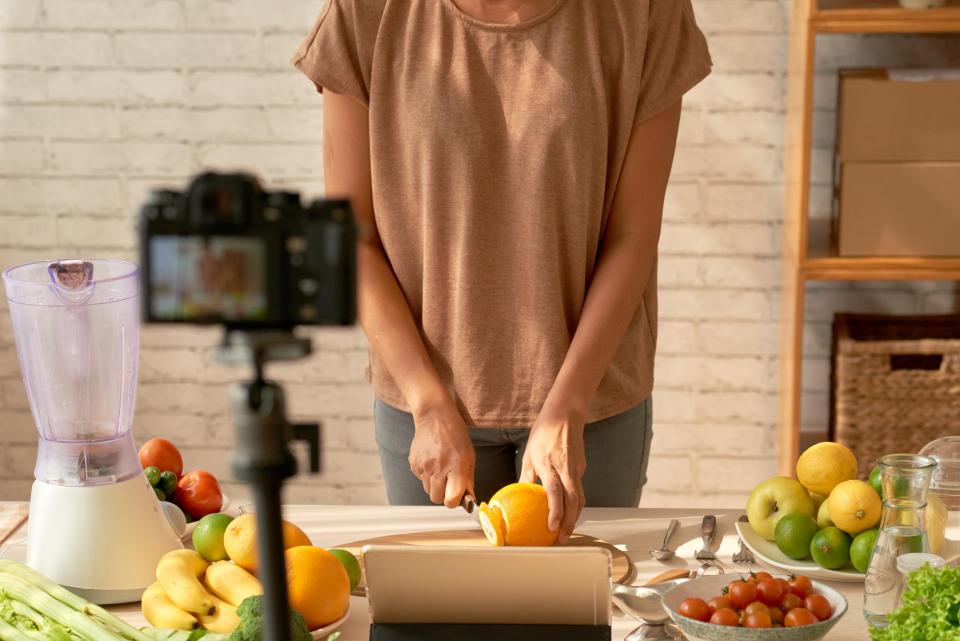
929 609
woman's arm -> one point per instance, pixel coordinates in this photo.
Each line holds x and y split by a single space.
626 258
441 454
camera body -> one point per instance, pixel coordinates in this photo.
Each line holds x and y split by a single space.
227 252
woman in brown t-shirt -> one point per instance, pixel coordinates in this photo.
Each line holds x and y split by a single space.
508 159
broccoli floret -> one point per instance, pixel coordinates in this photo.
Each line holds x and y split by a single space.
250 612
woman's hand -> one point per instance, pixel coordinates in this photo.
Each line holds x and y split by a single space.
555 455
441 454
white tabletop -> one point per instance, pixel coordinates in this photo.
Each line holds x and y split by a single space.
633 530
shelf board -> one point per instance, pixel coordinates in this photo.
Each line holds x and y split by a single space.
883 16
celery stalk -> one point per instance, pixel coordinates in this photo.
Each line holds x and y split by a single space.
47 630
10 633
67 597
21 590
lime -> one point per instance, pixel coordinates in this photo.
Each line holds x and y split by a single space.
153 475
208 536
350 564
160 494
874 480
830 548
793 534
862 548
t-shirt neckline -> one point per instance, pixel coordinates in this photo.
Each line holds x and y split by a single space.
499 26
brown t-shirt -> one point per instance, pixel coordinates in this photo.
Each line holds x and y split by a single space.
495 154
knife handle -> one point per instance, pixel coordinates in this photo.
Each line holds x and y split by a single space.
708 527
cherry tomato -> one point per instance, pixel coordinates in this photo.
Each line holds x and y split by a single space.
799 616
725 616
770 592
801 586
743 594
776 616
755 607
694 608
718 603
161 453
198 494
791 601
758 620
819 605
760 576
783 584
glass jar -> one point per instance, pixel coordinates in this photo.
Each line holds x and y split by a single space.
943 500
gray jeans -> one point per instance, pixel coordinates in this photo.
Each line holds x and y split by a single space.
617 450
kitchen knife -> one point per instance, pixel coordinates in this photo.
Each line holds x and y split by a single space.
468 503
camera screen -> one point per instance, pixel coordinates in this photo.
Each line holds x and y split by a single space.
207 278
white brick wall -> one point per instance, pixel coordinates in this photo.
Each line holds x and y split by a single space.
102 100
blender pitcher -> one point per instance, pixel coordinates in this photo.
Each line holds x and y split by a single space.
96 525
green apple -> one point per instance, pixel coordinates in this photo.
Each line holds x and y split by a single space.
818 499
775 498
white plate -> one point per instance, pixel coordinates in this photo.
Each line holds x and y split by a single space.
330 628
768 552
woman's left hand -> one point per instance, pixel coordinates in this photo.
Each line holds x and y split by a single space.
555 455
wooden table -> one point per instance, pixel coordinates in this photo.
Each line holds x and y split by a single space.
634 530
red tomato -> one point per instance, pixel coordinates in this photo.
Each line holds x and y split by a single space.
791 601
725 616
718 603
760 576
758 620
770 592
776 616
694 608
163 454
801 586
198 494
799 616
819 605
783 584
755 607
743 594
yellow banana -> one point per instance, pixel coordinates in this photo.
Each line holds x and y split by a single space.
231 582
179 573
223 621
161 612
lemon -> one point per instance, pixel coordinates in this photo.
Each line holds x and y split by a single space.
936 518
793 534
854 506
240 540
830 548
825 465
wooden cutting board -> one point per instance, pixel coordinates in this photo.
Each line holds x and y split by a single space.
623 570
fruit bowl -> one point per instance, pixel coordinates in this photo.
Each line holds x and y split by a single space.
707 587
330 628
768 552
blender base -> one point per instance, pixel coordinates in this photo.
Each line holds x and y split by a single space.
102 542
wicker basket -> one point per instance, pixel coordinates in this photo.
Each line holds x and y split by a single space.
896 383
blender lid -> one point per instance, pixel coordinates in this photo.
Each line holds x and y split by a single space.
946 452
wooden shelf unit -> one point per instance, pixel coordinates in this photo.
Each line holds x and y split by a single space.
806 253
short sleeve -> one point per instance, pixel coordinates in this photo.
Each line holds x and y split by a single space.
337 54
676 57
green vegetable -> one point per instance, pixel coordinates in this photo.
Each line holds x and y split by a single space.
153 474
76 617
929 609
168 483
250 612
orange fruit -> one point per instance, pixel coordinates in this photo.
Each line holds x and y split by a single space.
317 584
240 540
517 515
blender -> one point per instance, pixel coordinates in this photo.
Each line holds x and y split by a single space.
95 525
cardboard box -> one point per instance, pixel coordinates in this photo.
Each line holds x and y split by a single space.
899 115
899 209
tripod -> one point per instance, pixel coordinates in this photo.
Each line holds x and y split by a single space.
262 458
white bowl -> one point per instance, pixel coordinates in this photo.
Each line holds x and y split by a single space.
707 587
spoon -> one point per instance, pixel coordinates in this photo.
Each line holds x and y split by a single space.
665 553
645 604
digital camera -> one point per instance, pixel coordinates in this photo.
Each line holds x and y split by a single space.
227 252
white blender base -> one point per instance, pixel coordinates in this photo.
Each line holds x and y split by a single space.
102 542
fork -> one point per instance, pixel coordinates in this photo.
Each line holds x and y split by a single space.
708 528
743 555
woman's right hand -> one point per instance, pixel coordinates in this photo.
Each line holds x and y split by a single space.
441 454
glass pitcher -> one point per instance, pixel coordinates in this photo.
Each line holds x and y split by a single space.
943 508
903 530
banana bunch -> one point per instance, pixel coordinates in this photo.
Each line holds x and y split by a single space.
191 592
